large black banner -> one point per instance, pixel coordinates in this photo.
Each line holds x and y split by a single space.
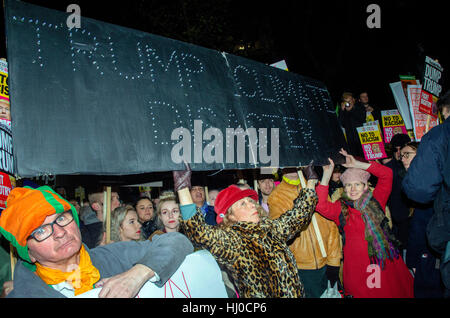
105 99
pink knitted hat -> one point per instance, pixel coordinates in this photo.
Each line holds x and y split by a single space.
354 174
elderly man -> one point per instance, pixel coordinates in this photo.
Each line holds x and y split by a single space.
54 263
198 195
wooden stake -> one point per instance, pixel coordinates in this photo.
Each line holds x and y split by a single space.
206 194
108 215
104 207
427 127
13 260
313 219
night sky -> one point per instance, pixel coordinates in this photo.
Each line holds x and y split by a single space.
328 41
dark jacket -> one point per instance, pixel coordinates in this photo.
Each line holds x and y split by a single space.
149 227
350 120
417 242
399 203
428 165
428 179
91 234
427 277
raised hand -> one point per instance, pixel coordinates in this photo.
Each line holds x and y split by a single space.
351 162
309 172
182 178
327 172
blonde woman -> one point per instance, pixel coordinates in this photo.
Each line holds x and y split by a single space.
168 214
125 225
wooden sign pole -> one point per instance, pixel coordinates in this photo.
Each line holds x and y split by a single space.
427 127
13 260
206 193
108 215
313 220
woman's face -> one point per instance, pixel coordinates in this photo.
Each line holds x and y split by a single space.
355 189
212 196
244 210
407 154
144 209
170 215
336 176
130 229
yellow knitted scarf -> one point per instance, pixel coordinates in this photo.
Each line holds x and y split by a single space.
82 278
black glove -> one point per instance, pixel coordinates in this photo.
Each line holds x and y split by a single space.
309 172
182 178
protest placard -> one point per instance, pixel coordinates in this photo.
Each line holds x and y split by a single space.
372 143
402 103
393 124
373 123
213 109
4 88
431 89
5 188
419 118
376 123
281 65
198 276
6 147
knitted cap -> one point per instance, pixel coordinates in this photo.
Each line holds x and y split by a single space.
228 197
354 174
399 140
26 210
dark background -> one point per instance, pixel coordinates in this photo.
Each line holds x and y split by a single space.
328 41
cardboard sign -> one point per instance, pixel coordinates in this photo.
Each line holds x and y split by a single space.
5 188
110 100
6 147
393 124
402 103
431 89
419 118
407 80
376 124
281 65
198 276
4 89
372 143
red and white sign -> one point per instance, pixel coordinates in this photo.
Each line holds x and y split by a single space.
431 89
5 188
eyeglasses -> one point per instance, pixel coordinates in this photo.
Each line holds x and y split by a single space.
45 231
406 154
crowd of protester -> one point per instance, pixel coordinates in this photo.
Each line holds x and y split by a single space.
376 229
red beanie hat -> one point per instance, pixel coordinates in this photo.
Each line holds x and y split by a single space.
228 197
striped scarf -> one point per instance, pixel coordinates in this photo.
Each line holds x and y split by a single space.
381 243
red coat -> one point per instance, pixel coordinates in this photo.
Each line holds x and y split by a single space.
360 280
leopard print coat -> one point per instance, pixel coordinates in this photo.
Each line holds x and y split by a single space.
257 255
